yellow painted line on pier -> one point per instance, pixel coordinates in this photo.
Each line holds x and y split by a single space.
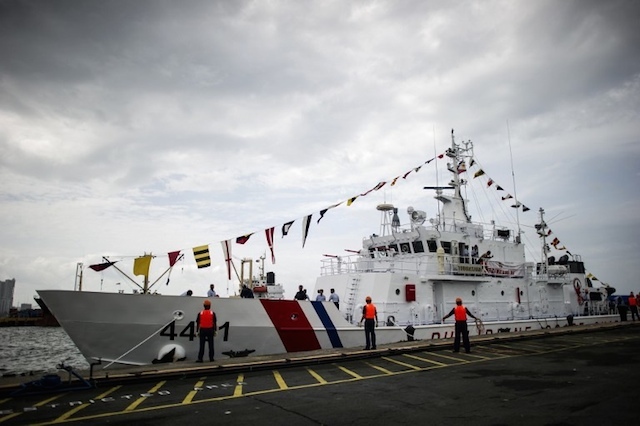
492 351
2 401
193 393
9 416
404 364
238 390
349 372
453 358
77 408
479 356
576 340
48 400
431 360
39 404
381 369
236 394
508 347
528 346
140 400
279 380
316 376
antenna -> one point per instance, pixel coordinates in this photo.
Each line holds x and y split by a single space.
438 191
515 193
386 226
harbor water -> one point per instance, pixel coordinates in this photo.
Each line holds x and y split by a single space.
34 350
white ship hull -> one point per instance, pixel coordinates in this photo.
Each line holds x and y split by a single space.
140 329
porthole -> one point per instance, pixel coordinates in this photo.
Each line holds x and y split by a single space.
502 293
397 292
473 292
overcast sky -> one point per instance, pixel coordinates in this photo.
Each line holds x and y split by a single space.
146 126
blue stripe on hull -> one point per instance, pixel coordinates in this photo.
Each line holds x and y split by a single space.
328 324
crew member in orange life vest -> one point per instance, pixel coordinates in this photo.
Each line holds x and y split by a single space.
460 313
206 327
633 306
370 318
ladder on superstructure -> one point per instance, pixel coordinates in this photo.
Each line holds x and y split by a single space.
352 291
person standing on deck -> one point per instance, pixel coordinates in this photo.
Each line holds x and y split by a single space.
246 292
321 297
633 306
211 292
460 313
474 254
370 318
206 326
301 294
333 297
486 256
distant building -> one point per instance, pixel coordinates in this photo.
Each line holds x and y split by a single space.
6 296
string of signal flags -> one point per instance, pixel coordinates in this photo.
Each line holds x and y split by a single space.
202 253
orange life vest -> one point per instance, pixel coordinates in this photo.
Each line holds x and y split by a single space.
369 311
632 301
460 313
206 319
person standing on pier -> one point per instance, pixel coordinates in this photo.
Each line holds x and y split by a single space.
206 326
460 313
370 318
633 306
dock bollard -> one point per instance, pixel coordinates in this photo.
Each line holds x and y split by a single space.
409 330
623 310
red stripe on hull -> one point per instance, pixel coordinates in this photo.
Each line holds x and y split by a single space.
292 325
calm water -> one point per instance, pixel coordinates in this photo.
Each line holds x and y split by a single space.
37 349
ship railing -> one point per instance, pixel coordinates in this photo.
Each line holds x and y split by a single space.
486 231
595 307
336 265
423 265
427 264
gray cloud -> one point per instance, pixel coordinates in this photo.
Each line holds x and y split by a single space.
209 119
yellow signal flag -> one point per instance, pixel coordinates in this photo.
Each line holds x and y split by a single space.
201 255
478 173
141 265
